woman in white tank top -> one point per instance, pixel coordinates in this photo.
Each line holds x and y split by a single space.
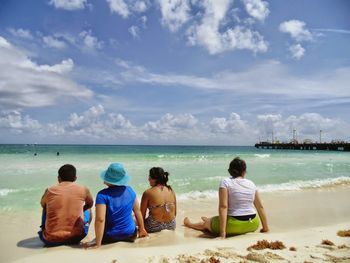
238 202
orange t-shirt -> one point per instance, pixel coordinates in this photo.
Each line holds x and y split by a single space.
64 211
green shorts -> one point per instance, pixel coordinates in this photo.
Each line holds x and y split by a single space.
235 226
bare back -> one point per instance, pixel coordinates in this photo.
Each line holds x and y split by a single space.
160 202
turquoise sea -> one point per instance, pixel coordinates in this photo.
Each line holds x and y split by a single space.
195 171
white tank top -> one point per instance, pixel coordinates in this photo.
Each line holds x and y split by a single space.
241 195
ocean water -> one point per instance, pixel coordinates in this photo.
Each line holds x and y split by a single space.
195 171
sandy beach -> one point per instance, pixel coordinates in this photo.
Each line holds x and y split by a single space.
194 96
299 219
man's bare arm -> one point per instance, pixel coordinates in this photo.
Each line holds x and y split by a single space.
43 199
89 201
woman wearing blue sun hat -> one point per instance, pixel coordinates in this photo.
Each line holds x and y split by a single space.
114 209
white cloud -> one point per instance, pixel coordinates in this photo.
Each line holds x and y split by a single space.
90 42
269 123
273 78
66 37
80 121
170 123
230 130
98 126
64 67
84 41
258 9
174 129
297 51
143 21
134 31
96 123
92 124
296 29
232 125
118 121
209 27
23 33
14 120
69 4
125 8
243 38
54 42
135 73
332 30
311 123
24 83
210 33
119 7
140 6
307 126
175 13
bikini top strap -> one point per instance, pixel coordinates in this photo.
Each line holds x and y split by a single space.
166 205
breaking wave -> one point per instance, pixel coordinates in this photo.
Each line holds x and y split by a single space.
290 186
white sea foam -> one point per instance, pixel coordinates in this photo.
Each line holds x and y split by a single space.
6 209
301 185
213 178
195 195
6 191
183 184
263 155
290 186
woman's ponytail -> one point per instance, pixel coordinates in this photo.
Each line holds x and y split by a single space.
161 177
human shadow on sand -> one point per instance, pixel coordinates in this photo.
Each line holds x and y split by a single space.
35 243
32 242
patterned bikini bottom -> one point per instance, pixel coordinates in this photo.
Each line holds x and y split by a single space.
153 225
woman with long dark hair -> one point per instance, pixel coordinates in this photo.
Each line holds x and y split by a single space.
160 201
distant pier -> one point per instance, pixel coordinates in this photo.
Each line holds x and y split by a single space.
305 146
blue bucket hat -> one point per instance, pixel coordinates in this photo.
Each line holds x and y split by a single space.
115 174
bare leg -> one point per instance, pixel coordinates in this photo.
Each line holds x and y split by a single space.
201 226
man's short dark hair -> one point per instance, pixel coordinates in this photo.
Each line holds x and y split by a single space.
67 172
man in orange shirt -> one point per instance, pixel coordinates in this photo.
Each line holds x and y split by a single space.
66 210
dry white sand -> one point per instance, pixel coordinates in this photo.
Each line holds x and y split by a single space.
300 219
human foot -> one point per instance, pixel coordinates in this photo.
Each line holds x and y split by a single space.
186 221
204 218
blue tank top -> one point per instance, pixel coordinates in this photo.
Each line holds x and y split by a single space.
119 201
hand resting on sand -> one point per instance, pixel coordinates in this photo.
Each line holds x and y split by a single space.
264 230
90 245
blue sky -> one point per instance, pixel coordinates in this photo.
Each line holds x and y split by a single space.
217 72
